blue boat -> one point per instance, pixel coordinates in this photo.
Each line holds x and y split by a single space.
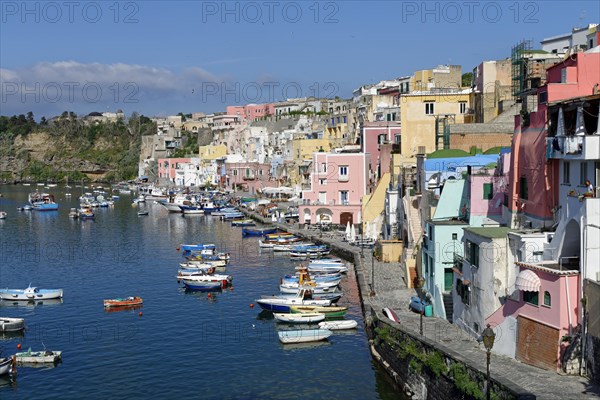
201 286
42 201
188 249
258 231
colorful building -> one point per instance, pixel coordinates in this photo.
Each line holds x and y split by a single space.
338 184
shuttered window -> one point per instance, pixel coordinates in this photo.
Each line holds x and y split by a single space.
488 191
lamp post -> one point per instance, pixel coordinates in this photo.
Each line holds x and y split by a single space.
421 285
488 336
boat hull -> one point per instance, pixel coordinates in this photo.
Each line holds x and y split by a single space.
25 295
127 302
303 335
11 324
36 357
299 318
338 325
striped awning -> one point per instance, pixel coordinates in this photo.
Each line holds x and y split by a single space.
528 281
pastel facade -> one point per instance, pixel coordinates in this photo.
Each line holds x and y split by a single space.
338 183
252 112
375 134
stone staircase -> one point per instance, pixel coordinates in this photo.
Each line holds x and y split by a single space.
448 305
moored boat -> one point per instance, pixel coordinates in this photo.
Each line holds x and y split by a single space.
201 286
299 318
257 231
123 302
7 366
338 325
42 201
3 214
31 293
303 335
329 312
11 324
44 356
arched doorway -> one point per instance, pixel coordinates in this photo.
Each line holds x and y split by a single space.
324 216
346 217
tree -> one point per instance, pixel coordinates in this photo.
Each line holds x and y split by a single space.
467 79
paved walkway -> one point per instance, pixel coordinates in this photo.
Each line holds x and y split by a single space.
391 291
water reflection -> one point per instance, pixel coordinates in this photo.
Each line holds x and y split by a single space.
305 346
31 303
12 335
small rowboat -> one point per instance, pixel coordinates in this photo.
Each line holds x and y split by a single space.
306 318
123 302
338 325
303 335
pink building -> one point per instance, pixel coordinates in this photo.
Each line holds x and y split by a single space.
338 183
487 188
546 311
534 182
252 112
248 176
375 134
167 167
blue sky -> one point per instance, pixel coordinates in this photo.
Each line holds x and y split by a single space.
162 57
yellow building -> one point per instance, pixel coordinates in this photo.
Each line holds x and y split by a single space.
424 113
212 152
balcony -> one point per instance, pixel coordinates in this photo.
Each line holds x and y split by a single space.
343 178
585 147
249 177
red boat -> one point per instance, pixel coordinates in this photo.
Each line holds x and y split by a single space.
123 302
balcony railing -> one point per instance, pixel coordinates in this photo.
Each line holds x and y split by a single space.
584 147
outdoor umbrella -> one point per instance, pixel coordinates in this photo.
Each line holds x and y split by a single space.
348 232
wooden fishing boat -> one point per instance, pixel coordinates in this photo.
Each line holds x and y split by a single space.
299 318
338 325
123 302
243 222
329 312
303 335
257 231
44 356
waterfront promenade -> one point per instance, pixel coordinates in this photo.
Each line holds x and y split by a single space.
390 290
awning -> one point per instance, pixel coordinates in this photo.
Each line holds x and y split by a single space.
528 281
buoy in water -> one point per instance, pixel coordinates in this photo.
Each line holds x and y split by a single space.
251 305
140 314
208 295
18 346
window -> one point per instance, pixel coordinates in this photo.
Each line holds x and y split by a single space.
462 107
566 172
344 171
523 188
582 173
344 197
530 297
322 181
344 119
235 172
429 108
397 139
472 253
547 299
322 197
323 168
393 116
488 191
463 292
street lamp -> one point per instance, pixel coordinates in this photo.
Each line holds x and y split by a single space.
488 336
421 285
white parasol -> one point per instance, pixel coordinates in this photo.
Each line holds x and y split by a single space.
348 232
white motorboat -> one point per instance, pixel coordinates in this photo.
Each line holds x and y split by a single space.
7 366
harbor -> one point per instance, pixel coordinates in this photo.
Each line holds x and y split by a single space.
186 334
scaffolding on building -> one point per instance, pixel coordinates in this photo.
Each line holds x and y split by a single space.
519 66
